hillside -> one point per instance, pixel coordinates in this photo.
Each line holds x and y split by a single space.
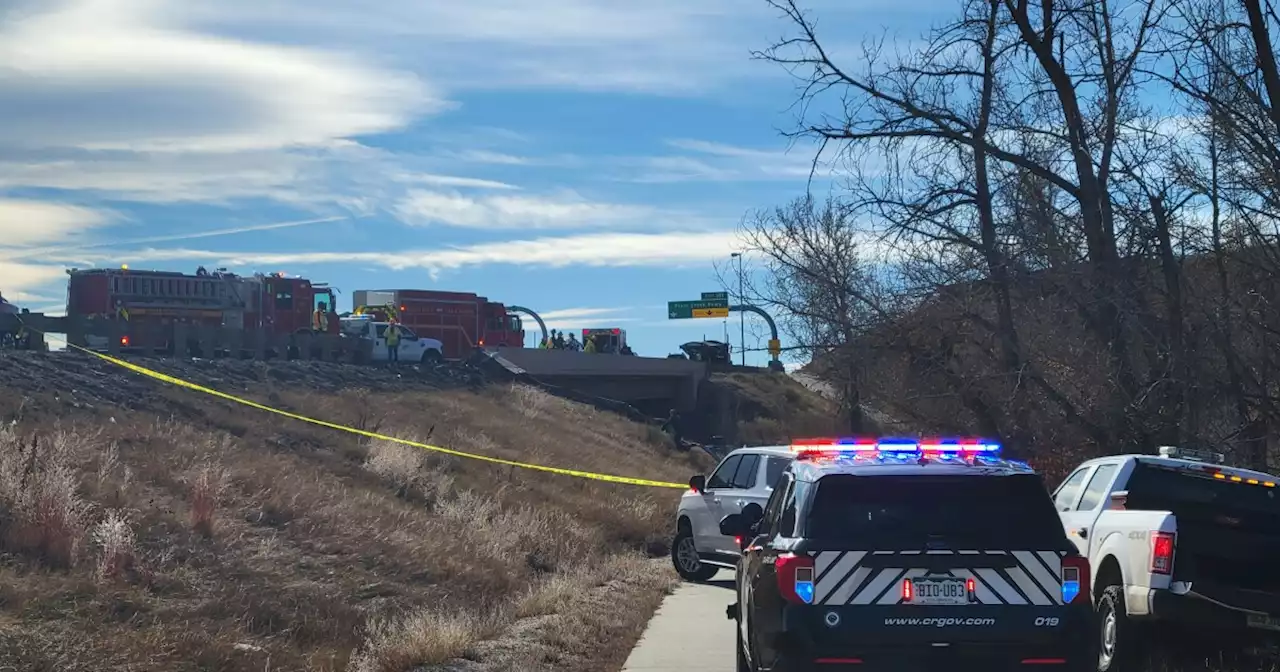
147 527
759 407
1208 381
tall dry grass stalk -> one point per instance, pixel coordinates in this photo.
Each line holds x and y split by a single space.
206 489
116 545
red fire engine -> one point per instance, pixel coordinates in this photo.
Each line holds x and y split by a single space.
274 302
461 321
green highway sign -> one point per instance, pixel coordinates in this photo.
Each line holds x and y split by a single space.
684 310
716 296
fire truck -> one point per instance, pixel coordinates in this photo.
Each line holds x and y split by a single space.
461 321
273 302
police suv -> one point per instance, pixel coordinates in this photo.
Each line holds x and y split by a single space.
908 555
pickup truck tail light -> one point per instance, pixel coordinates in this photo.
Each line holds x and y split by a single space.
1075 579
795 578
1162 552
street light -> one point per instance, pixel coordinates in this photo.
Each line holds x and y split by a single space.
742 314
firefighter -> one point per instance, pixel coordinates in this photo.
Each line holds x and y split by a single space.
589 343
393 342
320 319
122 313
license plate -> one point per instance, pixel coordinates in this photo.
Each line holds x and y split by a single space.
1264 622
939 591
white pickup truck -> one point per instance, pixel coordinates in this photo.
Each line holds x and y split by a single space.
1178 538
412 348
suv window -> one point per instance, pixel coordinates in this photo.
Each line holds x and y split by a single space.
748 471
723 477
773 509
1066 495
1097 487
909 512
773 470
787 524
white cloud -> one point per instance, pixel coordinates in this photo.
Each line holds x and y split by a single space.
719 162
580 313
129 74
507 212
454 181
27 222
660 46
29 253
17 279
489 156
661 250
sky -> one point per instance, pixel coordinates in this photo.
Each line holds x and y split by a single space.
589 159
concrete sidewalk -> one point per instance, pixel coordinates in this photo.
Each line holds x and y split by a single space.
689 632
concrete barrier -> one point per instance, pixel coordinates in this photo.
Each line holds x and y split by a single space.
568 363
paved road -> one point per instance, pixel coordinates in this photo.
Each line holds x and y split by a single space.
689 631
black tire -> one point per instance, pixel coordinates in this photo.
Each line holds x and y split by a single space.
743 665
1120 642
684 555
432 357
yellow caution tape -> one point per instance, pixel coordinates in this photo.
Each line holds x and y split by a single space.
374 435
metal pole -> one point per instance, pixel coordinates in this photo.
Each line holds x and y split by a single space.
742 316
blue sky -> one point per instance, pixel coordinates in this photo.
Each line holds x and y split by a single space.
590 159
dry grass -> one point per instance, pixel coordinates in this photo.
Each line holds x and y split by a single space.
774 408
232 540
423 638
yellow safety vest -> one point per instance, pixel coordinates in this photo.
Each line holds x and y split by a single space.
393 335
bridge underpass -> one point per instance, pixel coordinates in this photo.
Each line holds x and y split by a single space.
652 385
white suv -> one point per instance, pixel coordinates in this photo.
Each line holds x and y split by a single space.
745 475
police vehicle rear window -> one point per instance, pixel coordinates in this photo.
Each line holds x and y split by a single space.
919 512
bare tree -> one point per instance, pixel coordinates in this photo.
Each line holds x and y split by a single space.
821 282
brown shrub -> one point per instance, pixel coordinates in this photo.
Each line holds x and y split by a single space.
38 488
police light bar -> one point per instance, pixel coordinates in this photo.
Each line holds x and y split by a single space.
891 446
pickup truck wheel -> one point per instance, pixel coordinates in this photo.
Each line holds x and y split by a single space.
431 357
1120 644
685 557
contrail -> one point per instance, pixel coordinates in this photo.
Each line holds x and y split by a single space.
21 254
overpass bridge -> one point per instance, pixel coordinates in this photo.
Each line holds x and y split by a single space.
651 384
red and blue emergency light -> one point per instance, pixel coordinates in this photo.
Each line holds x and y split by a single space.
932 447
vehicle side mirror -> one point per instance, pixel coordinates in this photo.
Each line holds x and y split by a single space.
698 483
734 525
752 513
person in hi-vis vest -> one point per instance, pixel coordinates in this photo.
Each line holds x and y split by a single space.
320 319
393 342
